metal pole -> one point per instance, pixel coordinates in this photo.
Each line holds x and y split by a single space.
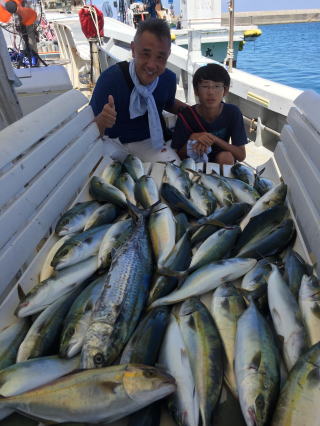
231 32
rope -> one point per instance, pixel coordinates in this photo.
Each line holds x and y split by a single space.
94 18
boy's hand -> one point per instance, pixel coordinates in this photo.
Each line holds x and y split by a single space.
200 148
203 137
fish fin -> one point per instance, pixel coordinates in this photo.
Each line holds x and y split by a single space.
21 293
256 361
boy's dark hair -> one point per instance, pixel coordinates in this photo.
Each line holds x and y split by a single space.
212 72
158 27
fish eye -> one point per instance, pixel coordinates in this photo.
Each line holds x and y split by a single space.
64 252
98 359
148 373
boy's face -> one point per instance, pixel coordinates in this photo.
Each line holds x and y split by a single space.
211 93
150 54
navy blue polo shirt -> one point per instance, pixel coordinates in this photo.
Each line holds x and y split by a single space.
228 125
112 82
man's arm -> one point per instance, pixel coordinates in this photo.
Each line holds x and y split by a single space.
176 107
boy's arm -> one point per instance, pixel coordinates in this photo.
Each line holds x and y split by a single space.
239 152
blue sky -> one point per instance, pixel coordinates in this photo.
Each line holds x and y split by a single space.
251 5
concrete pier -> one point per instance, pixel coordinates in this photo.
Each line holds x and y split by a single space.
273 17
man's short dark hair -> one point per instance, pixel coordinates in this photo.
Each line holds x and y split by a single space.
213 72
158 27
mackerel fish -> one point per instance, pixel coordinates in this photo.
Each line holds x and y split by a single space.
134 166
10 340
126 184
111 172
123 297
146 191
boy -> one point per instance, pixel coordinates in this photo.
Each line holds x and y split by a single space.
211 123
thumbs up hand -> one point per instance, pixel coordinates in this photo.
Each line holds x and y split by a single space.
107 117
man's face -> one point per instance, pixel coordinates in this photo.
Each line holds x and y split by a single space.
150 54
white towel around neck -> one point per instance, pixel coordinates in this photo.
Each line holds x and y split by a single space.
142 100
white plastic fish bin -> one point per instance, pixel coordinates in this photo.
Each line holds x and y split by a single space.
46 163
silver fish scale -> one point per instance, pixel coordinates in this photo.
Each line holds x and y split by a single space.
126 284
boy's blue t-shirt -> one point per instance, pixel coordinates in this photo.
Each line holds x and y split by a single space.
112 82
228 125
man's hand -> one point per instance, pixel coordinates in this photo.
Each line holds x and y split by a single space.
107 117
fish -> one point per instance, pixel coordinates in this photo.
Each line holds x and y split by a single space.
256 367
111 172
10 340
178 178
229 215
243 173
115 236
286 318
79 247
215 247
45 330
207 278
184 403
262 185
243 192
203 198
261 225
295 267
93 396
309 303
122 299
271 244
101 216
78 318
146 191
182 224
102 191
178 260
274 197
24 376
74 219
298 403
134 166
47 270
62 282
205 353
144 344
220 188
227 306
162 231
126 184
179 202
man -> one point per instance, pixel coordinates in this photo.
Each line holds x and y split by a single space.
130 116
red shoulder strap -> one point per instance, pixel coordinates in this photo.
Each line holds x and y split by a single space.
195 116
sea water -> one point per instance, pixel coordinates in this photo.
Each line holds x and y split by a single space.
285 53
